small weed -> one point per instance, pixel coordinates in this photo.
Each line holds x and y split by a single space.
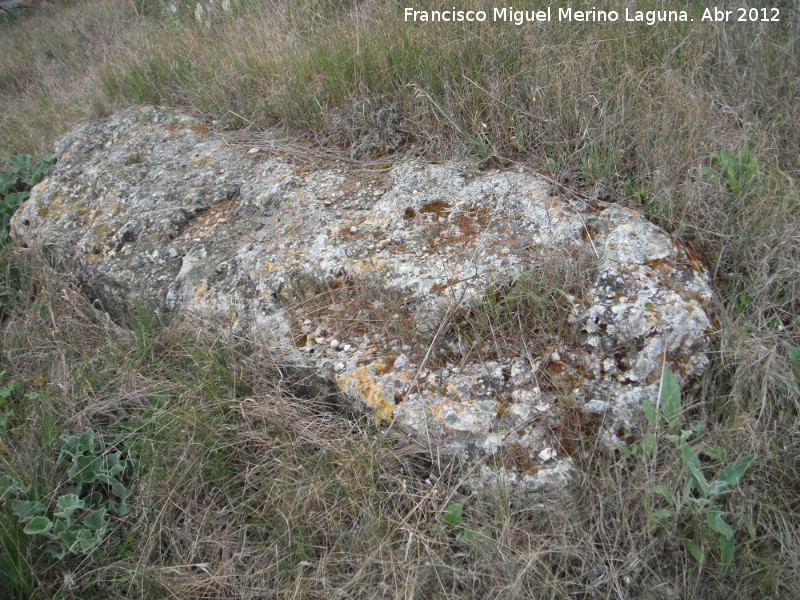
794 360
738 172
15 185
452 522
6 401
699 496
596 163
638 195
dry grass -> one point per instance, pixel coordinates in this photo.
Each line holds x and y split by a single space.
245 490
277 496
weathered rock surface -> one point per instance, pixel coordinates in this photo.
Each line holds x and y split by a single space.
401 286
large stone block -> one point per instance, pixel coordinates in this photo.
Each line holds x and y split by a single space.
477 311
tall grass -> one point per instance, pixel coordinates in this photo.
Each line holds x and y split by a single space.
273 498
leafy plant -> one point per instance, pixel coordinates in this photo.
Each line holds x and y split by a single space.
737 172
596 163
79 522
638 194
16 184
452 519
794 359
6 395
698 495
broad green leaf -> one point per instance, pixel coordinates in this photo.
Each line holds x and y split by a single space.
693 549
85 535
84 467
67 505
794 358
730 475
662 491
648 443
113 465
8 181
697 427
751 528
8 389
156 402
691 463
14 199
96 519
715 521
129 425
8 485
68 443
671 398
466 536
650 413
21 163
452 514
119 490
40 169
69 536
27 510
88 540
120 509
70 502
38 525
686 493
661 513
715 453
85 442
95 499
726 553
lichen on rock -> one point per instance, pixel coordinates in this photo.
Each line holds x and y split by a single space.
470 309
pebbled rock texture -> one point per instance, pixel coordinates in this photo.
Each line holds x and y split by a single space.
379 281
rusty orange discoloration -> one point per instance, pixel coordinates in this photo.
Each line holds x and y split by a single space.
370 392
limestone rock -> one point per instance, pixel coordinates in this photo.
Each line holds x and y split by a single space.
474 310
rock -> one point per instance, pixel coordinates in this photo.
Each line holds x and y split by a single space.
12 4
474 311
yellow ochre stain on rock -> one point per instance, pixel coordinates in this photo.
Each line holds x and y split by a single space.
199 161
369 391
201 291
359 267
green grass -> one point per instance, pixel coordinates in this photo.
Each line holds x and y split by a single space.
244 490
